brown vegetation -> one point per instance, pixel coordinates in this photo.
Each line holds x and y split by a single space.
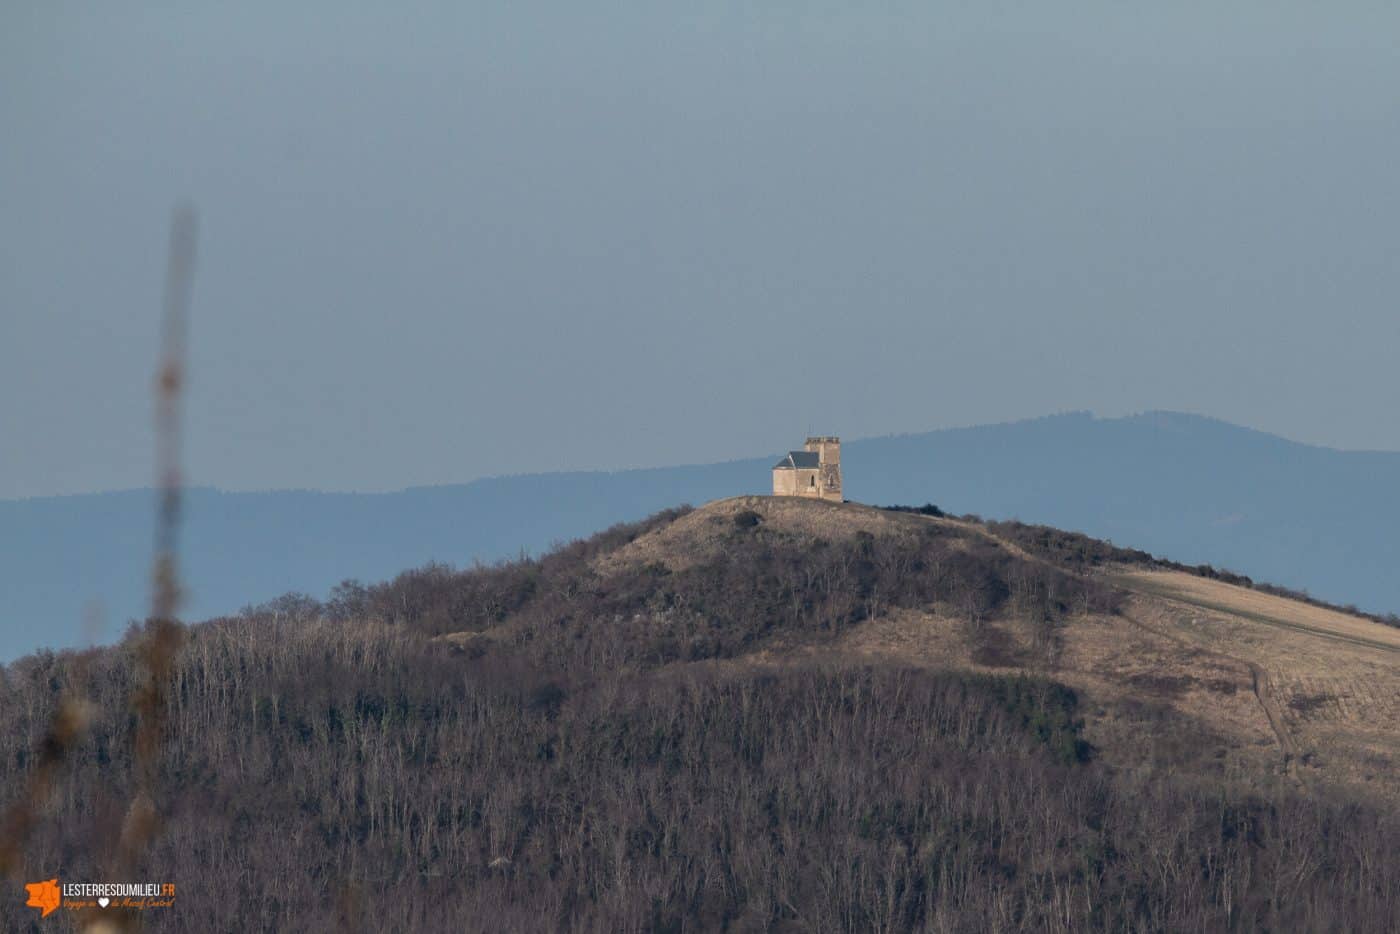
758 715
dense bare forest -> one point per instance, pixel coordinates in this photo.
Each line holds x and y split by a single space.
601 750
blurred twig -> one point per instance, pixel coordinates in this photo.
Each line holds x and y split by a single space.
163 635
163 631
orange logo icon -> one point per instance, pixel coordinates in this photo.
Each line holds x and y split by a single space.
44 896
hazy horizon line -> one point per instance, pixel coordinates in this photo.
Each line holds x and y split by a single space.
392 490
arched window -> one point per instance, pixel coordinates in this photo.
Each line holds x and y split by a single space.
811 481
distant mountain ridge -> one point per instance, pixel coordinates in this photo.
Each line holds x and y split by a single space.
1186 487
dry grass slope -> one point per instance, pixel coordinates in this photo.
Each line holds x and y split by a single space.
1289 692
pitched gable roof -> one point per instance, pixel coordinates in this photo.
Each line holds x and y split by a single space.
796 459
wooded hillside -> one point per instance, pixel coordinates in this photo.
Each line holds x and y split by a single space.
647 731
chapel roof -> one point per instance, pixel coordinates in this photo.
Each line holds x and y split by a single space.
796 459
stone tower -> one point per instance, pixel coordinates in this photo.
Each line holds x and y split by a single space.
814 471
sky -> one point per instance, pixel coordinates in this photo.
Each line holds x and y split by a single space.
446 241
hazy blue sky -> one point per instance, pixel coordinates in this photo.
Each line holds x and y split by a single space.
443 241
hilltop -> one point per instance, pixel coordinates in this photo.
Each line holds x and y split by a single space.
1192 489
761 714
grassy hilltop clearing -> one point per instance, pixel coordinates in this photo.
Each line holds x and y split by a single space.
762 714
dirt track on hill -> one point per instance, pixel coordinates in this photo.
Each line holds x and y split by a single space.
1260 684
1258 607
1328 682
